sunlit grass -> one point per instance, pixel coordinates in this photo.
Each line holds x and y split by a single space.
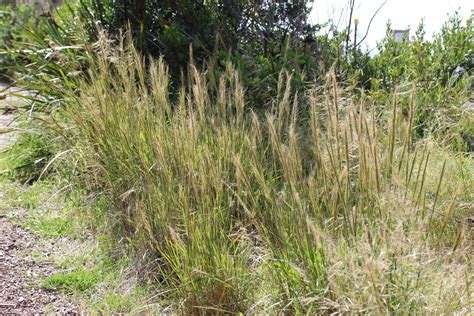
321 204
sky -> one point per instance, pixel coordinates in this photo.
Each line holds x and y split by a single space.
401 13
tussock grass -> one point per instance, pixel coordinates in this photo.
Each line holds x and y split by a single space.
319 205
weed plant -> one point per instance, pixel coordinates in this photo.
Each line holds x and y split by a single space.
28 156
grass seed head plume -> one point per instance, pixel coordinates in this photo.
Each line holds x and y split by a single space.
313 206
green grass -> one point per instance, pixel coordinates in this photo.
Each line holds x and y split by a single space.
28 156
324 203
26 197
47 226
76 281
103 281
122 303
98 277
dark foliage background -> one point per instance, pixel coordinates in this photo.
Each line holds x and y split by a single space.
260 38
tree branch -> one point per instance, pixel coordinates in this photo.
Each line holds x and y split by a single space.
370 22
352 3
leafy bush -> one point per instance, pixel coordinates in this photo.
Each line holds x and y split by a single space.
47 53
260 38
440 70
12 24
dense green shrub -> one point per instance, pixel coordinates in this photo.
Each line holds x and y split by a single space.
260 38
426 62
441 70
49 51
12 27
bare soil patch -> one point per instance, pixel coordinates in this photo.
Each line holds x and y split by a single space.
20 290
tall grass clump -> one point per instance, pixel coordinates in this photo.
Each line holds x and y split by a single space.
318 205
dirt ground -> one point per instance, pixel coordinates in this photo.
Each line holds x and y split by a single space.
20 273
20 291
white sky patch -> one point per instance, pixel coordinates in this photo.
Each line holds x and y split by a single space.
402 14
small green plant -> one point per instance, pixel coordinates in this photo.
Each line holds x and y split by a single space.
28 197
116 302
45 226
27 157
77 281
